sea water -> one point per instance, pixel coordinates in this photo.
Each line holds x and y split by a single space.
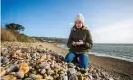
119 51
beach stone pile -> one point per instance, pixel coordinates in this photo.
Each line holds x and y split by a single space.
23 61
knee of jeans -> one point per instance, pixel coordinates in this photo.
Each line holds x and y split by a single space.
84 59
84 56
69 57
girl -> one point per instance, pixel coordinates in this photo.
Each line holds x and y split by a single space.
79 43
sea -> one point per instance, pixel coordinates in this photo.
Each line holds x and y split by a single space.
119 51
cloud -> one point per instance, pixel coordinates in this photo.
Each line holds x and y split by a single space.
120 32
71 24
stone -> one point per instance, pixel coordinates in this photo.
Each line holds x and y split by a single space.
13 73
2 71
42 64
43 71
9 77
28 79
20 74
47 66
23 67
13 68
90 76
72 70
38 76
71 65
32 62
63 76
33 76
73 77
5 60
43 58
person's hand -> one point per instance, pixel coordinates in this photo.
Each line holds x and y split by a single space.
80 42
74 43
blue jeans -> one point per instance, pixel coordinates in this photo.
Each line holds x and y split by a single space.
83 59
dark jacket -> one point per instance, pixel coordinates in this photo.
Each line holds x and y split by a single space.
80 34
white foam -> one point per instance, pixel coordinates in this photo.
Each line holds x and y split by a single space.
103 54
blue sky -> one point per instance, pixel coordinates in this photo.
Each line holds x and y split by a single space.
110 21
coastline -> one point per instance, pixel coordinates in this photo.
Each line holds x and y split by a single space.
114 64
117 66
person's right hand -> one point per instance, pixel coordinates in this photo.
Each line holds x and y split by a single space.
74 43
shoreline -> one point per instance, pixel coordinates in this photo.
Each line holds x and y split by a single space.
110 64
118 65
100 55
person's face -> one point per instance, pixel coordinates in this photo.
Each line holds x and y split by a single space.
78 24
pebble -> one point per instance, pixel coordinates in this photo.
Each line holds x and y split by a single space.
19 75
9 77
33 62
13 68
23 67
3 71
43 71
4 60
33 76
73 77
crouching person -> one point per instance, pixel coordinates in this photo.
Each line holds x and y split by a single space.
79 43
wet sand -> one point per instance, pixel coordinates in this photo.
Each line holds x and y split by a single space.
120 66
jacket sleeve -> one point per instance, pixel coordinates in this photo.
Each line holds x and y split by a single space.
88 43
69 43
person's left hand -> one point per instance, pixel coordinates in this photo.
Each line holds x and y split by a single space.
80 42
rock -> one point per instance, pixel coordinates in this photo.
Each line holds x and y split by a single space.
33 76
25 49
80 77
63 76
33 62
19 75
9 77
23 68
49 78
71 65
2 71
43 58
13 68
13 73
47 66
38 76
48 71
42 64
83 71
43 71
48 57
5 60
52 64
18 51
110 78
72 70
14 55
57 66
73 77
90 76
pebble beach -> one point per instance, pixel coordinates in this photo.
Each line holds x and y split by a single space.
45 61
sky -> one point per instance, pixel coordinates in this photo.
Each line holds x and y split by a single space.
109 21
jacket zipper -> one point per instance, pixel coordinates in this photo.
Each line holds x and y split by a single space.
77 34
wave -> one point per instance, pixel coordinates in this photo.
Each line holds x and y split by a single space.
126 58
